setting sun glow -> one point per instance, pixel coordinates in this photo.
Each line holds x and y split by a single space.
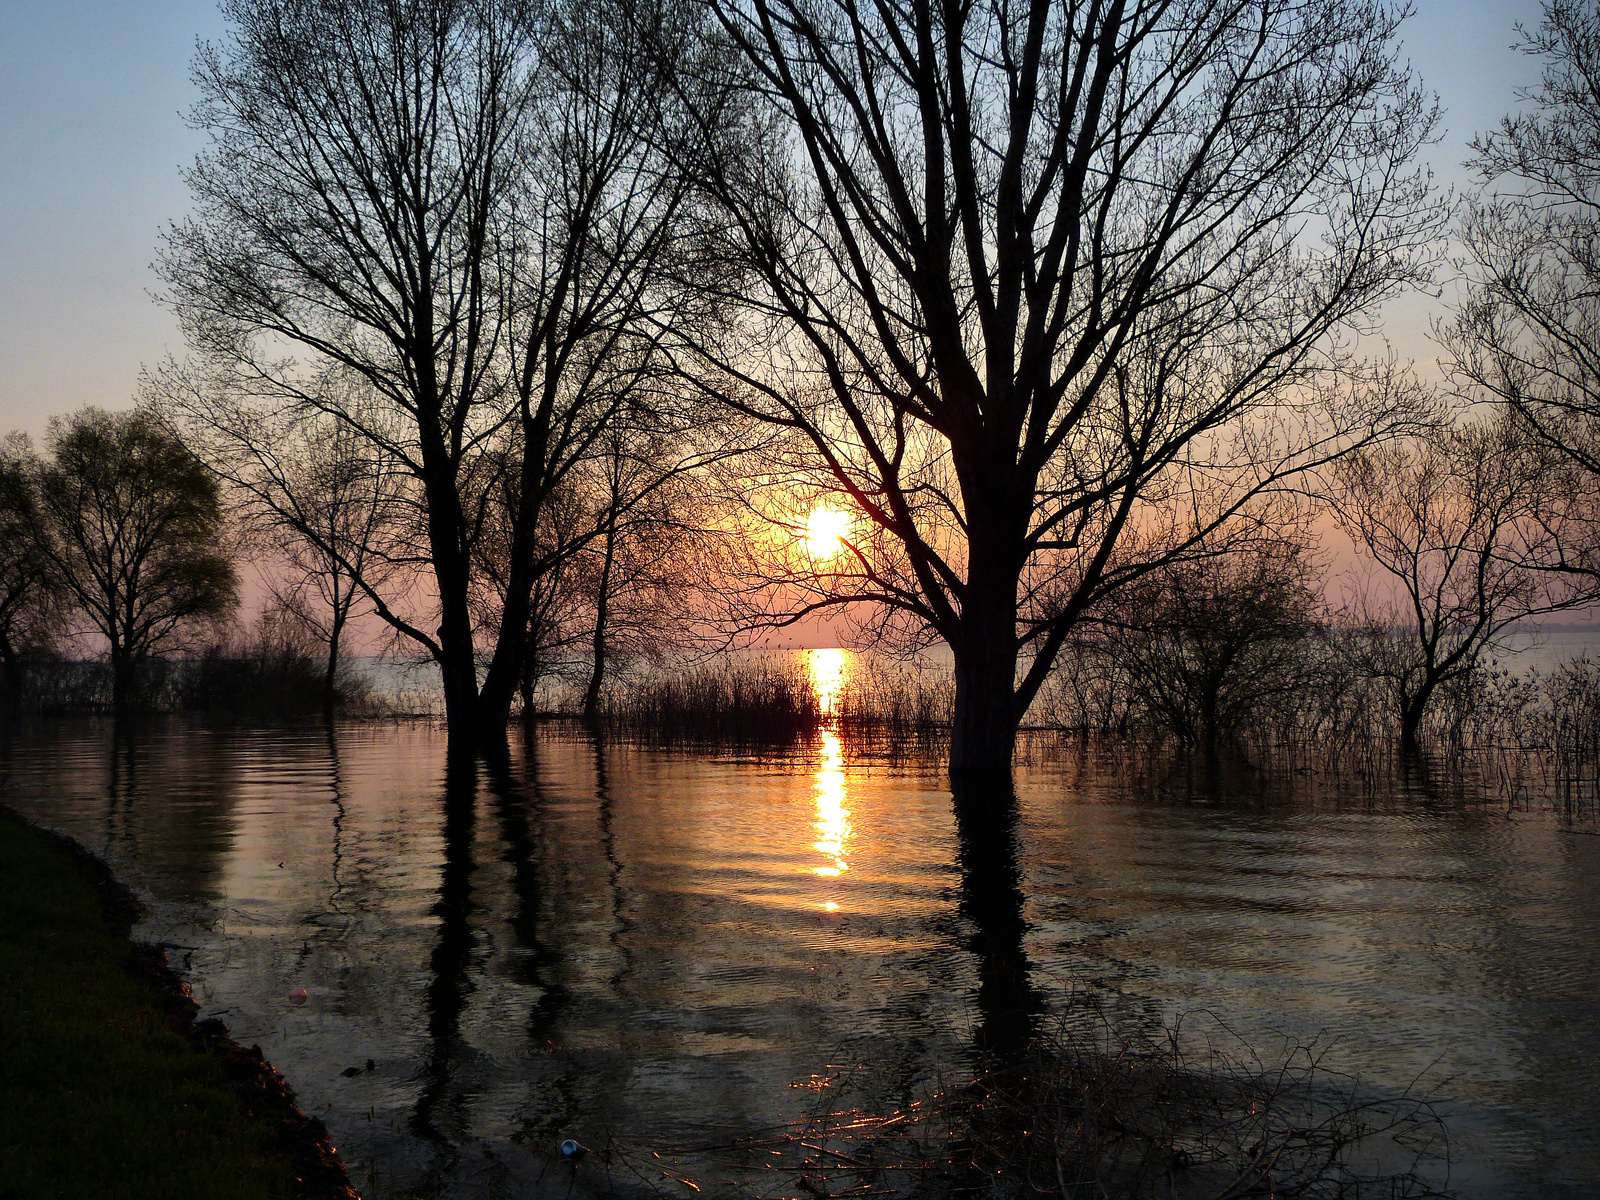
826 529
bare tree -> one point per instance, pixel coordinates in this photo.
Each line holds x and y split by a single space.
453 202
655 517
591 230
336 539
335 520
328 513
1529 330
132 533
1046 295
1467 526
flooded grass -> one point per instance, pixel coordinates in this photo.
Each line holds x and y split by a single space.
779 703
1087 1111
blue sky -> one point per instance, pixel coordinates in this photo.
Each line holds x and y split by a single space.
92 140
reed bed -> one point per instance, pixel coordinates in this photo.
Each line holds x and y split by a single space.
725 703
772 701
1525 739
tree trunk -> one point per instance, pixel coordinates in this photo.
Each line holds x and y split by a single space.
457 665
522 573
591 694
505 666
984 734
452 567
121 683
597 672
330 676
1411 714
526 684
457 658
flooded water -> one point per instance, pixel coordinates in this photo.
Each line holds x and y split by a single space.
644 948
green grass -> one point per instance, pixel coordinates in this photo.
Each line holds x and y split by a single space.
98 1097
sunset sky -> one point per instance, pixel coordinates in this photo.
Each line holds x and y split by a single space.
92 139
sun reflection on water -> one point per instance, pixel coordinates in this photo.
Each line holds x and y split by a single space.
833 818
828 671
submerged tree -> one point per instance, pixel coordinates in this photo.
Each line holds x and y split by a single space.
132 533
1207 643
656 517
333 536
1046 295
1468 527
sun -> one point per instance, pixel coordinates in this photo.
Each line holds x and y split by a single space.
826 529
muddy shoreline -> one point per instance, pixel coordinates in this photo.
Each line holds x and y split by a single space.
261 1091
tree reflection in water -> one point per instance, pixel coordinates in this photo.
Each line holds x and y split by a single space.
336 786
452 954
988 845
605 804
538 964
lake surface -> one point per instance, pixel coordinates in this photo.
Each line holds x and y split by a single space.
646 948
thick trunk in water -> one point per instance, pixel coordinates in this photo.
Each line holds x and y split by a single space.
984 734
459 675
1411 720
452 567
984 730
122 672
983 737
457 658
460 708
504 677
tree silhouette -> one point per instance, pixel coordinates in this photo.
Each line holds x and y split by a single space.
1528 332
132 533
457 205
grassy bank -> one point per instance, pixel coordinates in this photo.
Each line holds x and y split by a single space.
99 1094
